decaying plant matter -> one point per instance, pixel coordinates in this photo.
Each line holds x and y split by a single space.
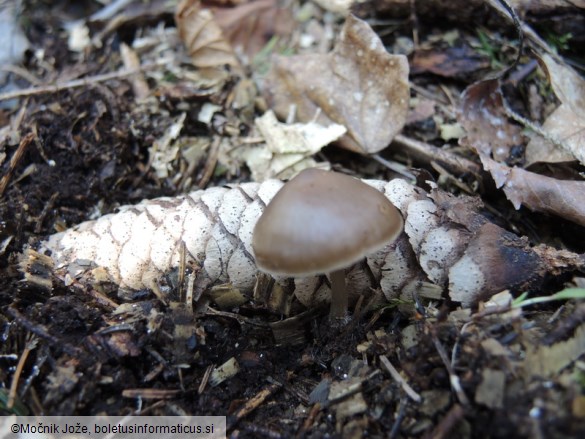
446 243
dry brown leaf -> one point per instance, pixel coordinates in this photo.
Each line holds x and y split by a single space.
203 37
250 26
484 118
566 125
452 62
359 85
546 361
338 6
538 192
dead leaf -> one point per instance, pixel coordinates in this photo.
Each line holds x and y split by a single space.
338 6
358 85
566 125
452 62
484 118
164 150
203 37
491 390
538 192
546 361
249 26
289 147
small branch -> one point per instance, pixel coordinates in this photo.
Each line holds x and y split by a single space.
427 153
32 91
453 378
30 345
398 378
5 180
252 404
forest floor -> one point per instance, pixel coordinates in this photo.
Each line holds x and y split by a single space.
109 109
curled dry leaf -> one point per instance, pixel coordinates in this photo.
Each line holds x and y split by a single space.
484 118
359 85
538 192
446 246
338 6
288 148
249 26
565 127
490 133
203 37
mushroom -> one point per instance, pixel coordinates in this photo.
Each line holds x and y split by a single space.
322 222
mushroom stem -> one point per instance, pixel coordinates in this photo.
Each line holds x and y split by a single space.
339 298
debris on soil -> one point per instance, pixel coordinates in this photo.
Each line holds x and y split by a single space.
471 325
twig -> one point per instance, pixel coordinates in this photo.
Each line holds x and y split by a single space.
395 430
14 161
42 332
9 68
427 153
536 128
524 29
398 378
210 164
80 82
308 424
150 393
511 14
48 206
205 379
252 404
453 378
394 166
30 345
443 429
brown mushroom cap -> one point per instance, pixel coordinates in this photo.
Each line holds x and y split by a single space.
320 222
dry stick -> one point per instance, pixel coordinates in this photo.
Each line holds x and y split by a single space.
30 345
150 393
205 379
453 378
395 430
522 28
252 404
210 164
443 429
426 152
14 162
19 71
398 378
48 206
306 426
80 82
42 332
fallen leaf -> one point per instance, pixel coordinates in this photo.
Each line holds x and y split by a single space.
338 6
289 147
484 119
164 150
565 127
250 26
452 62
491 390
358 85
203 37
538 192
546 361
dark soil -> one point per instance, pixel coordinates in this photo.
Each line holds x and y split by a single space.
90 154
